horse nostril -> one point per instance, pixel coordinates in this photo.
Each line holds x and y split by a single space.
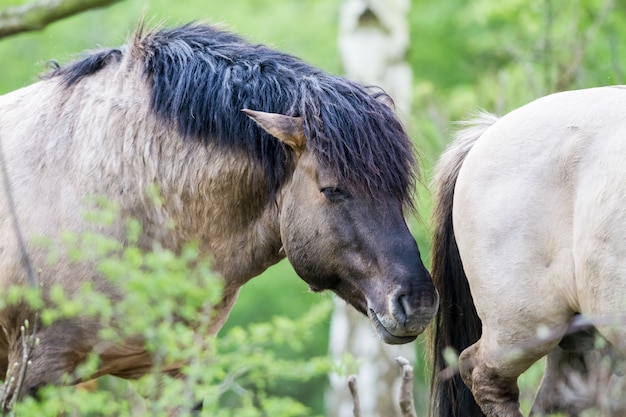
402 308
411 313
406 306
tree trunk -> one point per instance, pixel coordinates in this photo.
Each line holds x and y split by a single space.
373 42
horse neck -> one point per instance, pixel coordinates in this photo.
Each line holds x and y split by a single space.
214 196
223 202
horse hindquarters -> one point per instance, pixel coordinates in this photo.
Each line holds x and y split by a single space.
514 220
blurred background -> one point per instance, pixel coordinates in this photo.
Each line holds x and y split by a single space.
441 60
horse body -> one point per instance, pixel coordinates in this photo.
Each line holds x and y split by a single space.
540 227
166 111
53 165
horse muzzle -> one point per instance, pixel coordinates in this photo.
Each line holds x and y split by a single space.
405 318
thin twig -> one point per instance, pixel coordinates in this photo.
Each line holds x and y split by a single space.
12 386
7 389
28 344
407 405
355 395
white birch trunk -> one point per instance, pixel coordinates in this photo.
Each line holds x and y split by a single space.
373 42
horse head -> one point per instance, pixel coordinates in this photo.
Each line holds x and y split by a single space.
341 239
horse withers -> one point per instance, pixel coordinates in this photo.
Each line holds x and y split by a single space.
257 156
530 235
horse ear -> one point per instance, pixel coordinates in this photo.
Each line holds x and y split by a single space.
287 129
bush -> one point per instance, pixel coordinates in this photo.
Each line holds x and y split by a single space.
167 301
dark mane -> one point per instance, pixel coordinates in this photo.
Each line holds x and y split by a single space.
202 77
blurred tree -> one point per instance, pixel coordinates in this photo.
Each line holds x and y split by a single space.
373 42
39 14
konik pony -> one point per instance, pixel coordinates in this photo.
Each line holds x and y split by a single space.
530 234
257 156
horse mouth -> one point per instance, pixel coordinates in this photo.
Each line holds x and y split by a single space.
385 334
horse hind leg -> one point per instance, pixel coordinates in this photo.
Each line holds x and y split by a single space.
491 374
496 394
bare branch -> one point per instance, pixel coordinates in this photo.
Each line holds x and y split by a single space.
28 344
38 14
407 406
13 384
355 395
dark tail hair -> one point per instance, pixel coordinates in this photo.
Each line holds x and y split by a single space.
456 325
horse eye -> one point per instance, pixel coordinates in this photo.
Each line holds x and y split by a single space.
334 194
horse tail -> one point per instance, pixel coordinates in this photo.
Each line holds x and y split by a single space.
456 324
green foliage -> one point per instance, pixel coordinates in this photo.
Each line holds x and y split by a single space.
166 299
499 55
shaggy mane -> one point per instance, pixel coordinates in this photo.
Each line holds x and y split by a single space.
201 77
